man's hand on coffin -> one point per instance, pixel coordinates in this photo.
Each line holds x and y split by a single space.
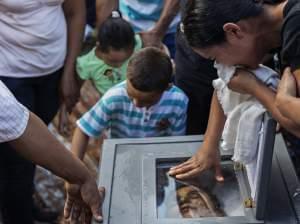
243 82
203 160
83 202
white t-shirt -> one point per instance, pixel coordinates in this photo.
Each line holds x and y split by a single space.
13 116
33 37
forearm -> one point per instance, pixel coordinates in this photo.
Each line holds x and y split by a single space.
170 10
215 125
104 9
75 14
79 143
289 107
38 145
267 98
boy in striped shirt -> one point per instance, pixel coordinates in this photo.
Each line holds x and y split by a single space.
145 105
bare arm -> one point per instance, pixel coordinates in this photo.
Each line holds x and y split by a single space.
208 154
79 143
75 14
286 100
154 36
246 83
40 146
104 9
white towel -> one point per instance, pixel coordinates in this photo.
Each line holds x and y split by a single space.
244 113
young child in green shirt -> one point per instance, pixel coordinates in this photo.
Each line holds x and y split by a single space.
106 64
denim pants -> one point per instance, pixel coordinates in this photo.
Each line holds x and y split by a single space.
40 95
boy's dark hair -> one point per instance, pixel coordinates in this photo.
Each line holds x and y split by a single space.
115 33
203 20
150 69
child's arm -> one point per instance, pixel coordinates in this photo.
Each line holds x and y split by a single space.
79 143
244 82
286 100
207 155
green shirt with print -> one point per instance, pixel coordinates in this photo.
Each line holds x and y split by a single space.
103 76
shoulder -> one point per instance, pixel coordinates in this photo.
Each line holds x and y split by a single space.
176 97
116 94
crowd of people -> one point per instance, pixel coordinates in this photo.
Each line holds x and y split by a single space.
154 66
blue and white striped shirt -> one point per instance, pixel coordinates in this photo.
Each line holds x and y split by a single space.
116 112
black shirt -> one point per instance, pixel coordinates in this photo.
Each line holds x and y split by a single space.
290 32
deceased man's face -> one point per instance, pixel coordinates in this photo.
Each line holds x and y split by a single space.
195 203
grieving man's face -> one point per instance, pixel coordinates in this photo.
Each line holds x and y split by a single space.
195 203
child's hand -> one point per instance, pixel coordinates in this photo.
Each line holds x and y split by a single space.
63 121
243 82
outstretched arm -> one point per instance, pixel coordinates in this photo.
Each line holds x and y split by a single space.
208 154
41 147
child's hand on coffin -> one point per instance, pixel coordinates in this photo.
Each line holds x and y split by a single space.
243 82
203 160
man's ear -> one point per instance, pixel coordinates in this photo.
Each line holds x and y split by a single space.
232 31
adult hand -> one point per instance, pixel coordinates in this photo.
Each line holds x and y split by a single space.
243 82
151 39
70 89
287 85
82 200
203 160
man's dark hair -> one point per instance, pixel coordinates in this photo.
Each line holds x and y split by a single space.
115 33
150 69
203 20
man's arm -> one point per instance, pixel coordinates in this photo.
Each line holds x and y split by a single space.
208 154
154 36
41 147
104 9
75 13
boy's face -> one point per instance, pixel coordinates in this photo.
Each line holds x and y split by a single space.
142 99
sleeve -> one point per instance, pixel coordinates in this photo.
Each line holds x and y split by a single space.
291 42
13 116
82 68
179 127
96 120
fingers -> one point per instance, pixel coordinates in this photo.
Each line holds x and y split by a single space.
68 207
76 212
218 172
96 207
190 174
183 167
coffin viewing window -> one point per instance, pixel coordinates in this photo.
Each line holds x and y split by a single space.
199 197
